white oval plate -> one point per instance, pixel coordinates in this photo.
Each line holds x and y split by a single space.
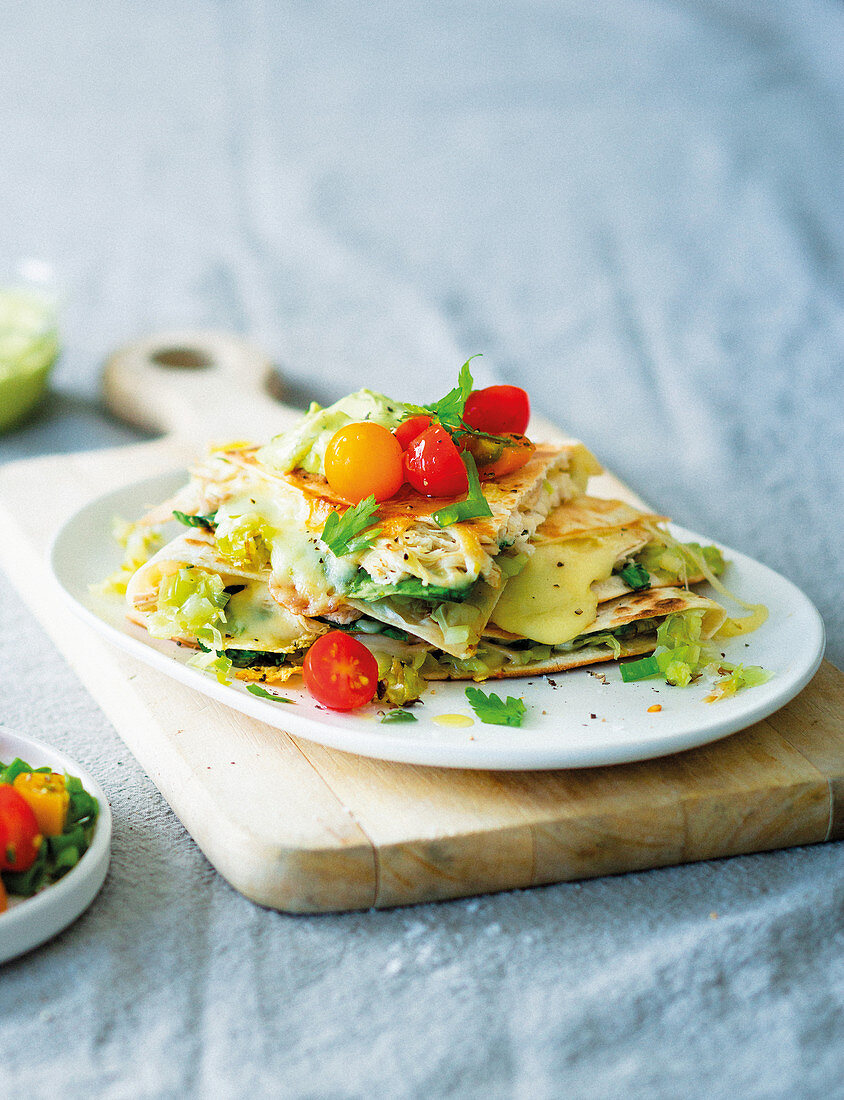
29 922
582 718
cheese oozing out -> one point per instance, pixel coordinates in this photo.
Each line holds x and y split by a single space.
297 559
551 600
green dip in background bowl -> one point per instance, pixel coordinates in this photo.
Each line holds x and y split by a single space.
29 346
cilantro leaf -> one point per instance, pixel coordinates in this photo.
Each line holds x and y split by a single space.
254 689
495 711
474 506
207 522
449 409
347 534
398 715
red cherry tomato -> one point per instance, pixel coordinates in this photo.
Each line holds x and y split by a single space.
19 835
501 410
495 458
364 459
406 432
340 672
433 466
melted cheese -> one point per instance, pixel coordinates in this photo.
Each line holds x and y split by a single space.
551 600
255 621
296 559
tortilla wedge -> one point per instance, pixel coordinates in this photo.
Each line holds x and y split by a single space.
254 622
501 657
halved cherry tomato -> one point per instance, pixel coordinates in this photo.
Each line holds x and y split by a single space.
494 458
502 410
433 466
362 460
19 835
407 431
340 672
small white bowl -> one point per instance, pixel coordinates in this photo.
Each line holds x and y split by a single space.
29 922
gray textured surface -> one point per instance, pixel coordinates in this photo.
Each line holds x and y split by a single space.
634 210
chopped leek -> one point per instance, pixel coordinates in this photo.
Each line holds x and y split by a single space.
678 560
644 669
457 622
680 653
399 682
601 637
215 663
738 677
678 673
190 602
245 540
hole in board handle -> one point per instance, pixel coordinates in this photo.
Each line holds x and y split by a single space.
182 358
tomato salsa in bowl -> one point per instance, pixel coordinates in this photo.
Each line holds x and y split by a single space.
55 836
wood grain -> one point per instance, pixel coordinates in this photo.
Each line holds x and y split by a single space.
315 829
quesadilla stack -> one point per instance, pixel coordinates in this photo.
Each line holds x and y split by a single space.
524 574
600 580
254 575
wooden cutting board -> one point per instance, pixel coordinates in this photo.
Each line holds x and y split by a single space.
303 828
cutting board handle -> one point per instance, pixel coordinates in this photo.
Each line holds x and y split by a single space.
196 385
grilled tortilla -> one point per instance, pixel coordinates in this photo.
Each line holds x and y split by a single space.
631 622
575 566
254 628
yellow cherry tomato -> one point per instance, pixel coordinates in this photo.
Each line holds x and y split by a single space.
362 460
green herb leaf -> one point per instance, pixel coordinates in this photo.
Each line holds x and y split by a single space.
207 522
474 506
398 715
495 711
254 689
449 409
636 576
348 534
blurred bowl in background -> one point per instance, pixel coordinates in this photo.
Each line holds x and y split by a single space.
29 346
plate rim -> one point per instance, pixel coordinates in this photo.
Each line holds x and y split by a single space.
435 754
39 918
